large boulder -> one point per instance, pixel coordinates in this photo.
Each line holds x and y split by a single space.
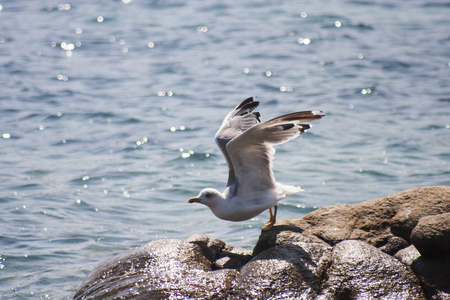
431 237
339 252
360 271
289 271
386 222
158 270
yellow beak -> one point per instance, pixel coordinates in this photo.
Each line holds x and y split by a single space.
193 200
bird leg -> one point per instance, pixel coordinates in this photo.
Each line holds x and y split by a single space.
272 220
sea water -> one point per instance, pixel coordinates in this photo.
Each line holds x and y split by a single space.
108 111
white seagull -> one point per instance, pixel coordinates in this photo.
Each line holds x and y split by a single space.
247 146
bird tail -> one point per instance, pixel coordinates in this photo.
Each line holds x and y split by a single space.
286 190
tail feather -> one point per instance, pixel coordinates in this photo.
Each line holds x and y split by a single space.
284 191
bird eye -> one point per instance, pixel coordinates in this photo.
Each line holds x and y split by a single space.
208 195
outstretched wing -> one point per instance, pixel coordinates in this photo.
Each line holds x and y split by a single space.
251 153
235 123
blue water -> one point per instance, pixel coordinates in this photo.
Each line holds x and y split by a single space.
108 111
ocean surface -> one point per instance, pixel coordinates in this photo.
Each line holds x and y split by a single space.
108 111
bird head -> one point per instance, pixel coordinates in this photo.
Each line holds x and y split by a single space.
209 197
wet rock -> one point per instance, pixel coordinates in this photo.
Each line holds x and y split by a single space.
211 247
233 258
285 232
431 236
360 271
289 271
158 270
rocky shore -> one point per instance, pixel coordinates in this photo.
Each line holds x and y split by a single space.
396 247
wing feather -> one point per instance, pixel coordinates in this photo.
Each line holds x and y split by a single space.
251 152
240 119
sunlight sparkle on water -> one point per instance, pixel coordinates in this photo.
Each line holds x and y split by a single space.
187 154
304 41
62 77
163 93
285 89
67 46
142 141
202 29
63 7
181 127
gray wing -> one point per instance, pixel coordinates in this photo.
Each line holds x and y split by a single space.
235 123
251 153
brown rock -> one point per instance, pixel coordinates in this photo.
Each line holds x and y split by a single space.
407 255
431 236
375 221
417 203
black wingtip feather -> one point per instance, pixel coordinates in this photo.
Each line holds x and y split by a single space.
257 115
287 126
243 103
305 126
246 106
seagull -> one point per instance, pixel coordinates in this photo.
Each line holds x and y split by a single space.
247 145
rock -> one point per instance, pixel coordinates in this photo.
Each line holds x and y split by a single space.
158 270
211 247
339 252
393 245
434 274
233 258
379 222
360 271
285 232
407 255
417 203
289 271
431 236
